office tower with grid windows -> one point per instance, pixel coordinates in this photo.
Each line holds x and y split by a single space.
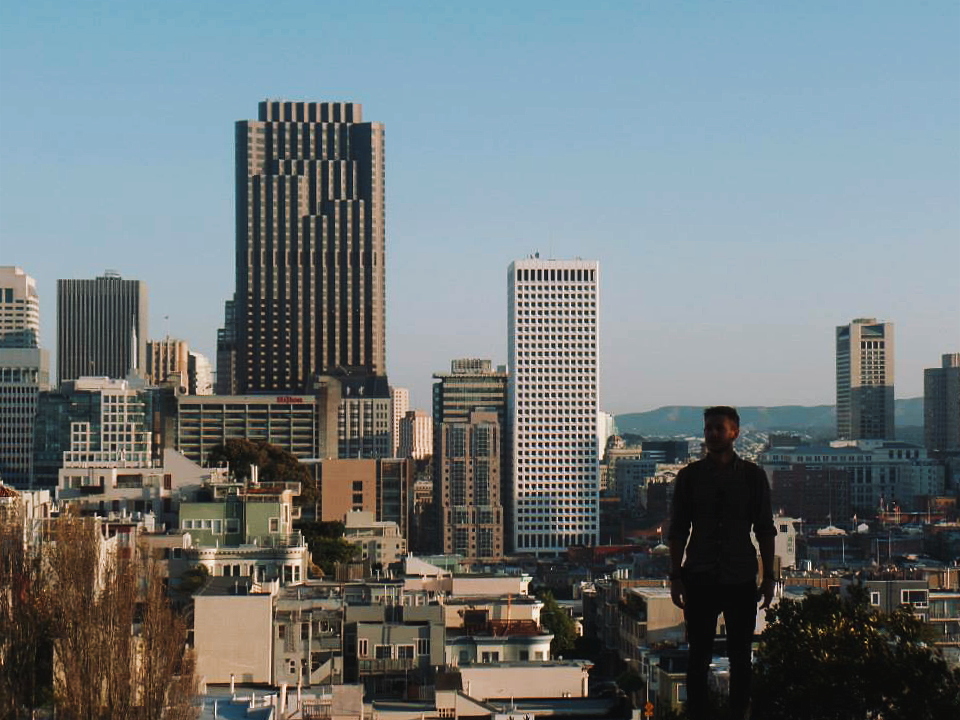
553 403
309 296
101 327
24 373
865 380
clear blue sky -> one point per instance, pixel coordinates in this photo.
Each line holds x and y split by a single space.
748 174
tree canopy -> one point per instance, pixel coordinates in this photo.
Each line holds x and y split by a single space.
274 463
557 621
828 657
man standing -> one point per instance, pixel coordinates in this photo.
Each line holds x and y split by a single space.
717 501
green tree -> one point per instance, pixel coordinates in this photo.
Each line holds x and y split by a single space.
327 546
830 658
556 620
274 463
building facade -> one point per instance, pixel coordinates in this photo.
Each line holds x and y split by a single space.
166 358
553 403
865 409
471 513
472 385
93 422
401 403
24 373
101 327
941 406
310 279
19 309
416 435
846 477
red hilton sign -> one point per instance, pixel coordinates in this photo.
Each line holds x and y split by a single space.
289 400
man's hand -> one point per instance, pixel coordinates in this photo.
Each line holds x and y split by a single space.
767 587
678 593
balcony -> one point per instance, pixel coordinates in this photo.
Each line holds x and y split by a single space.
387 665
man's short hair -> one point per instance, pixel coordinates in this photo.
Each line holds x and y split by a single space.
723 411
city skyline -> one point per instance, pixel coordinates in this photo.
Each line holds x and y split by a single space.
810 158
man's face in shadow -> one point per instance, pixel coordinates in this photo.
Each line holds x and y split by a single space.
719 433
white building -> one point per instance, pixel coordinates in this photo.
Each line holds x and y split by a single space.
401 403
553 403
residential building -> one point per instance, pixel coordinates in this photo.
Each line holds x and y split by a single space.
847 477
310 279
553 403
865 403
941 406
101 327
382 487
379 542
472 385
93 422
307 635
416 435
390 646
24 373
245 529
128 487
471 514
401 403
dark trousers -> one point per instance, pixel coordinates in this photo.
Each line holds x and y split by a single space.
704 602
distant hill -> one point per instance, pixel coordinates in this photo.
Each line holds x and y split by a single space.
818 419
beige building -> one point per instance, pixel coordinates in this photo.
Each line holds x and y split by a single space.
471 513
382 487
401 403
416 435
168 360
865 400
378 542
233 632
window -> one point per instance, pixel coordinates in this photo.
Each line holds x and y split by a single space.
405 652
383 652
292 666
363 647
423 646
916 598
304 631
274 525
875 598
281 631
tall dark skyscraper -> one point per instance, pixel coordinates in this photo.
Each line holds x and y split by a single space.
101 327
310 275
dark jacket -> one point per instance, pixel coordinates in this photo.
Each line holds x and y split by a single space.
716 507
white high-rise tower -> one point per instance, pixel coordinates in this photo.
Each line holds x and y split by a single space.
553 402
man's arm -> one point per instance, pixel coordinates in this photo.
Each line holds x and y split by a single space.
765 532
677 539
